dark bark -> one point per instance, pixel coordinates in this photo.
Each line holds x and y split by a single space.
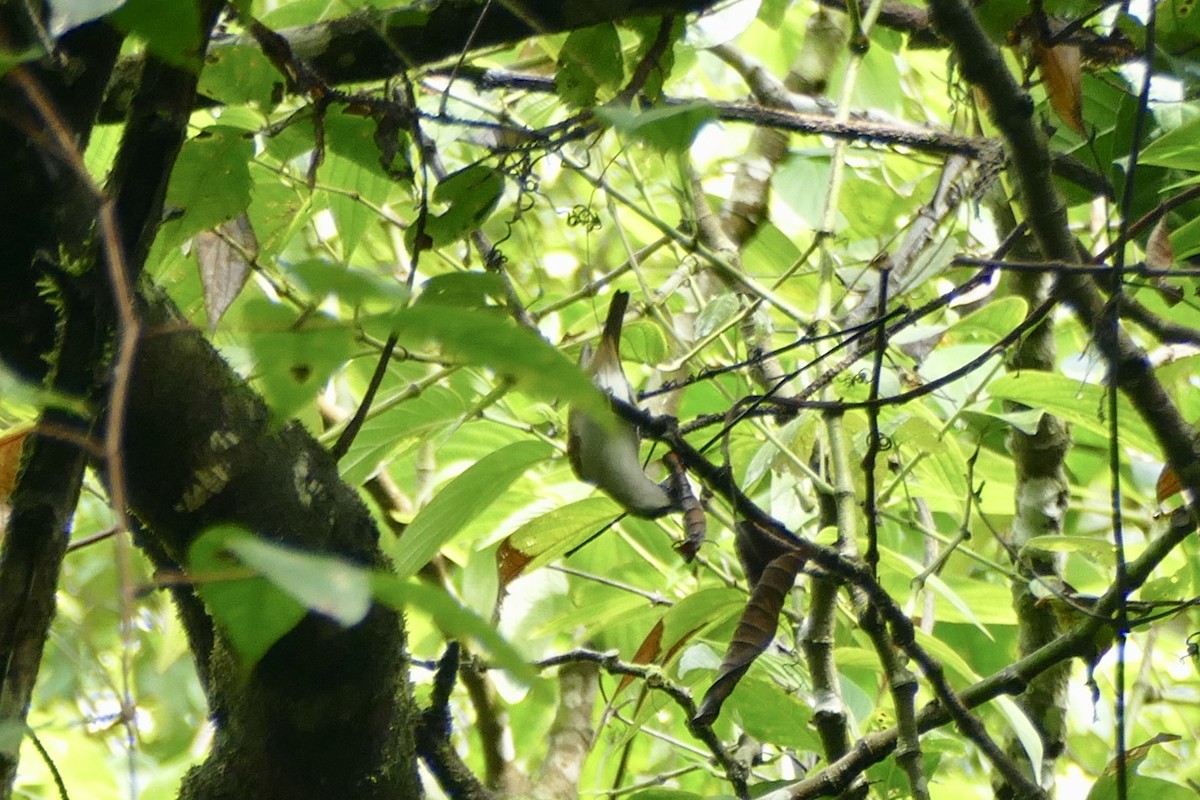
373 45
327 712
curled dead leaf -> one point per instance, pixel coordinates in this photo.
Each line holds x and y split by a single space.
754 631
1062 77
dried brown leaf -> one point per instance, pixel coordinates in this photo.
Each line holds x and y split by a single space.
1062 76
754 631
647 652
224 256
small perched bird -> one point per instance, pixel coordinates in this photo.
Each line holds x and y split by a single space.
607 455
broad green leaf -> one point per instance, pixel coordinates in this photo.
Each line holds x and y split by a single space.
210 182
940 588
644 342
1186 241
716 313
1026 734
993 320
454 620
325 584
170 28
461 500
1176 149
769 714
295 356
253 611
351 286
398 428
489 340
671 129
698 611
1079 403
1067 543
590 60
357 184
472 194
953 662
545 538
464 289
236 74
665 794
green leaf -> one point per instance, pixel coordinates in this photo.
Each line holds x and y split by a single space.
1176 149
769 714
665 794
644 342
351 286
295 355
1186 241
398 428
1026 734
1067 543
545 538
495 342
210 182
465 289
463 499
671 129
590 60
940 588
995 319
170 28
453 619
472 194
1076 402
237 74
716 313
8 60
325 584
1140 787
253 612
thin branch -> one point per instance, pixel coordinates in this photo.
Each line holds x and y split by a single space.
655 680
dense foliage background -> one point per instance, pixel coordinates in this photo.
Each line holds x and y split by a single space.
889 264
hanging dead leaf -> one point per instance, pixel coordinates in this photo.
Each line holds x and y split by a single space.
1063 78
1161 256
754 631
11 442
755 549
646 653
694 522
224 256
1168 484
510 562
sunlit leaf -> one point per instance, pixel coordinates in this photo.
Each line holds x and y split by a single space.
671 129
545 538
408 596
330 586
461 500
1076 402
252 610
590 61
489 340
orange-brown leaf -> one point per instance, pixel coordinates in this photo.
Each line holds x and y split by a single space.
1063 78
510 563
1168 484
646 653
754 632
11 442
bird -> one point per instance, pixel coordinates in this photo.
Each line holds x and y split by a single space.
605 452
